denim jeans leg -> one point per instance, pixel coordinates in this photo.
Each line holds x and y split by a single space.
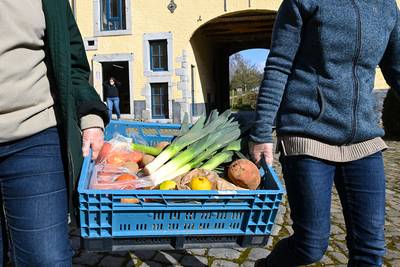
110 107
309 187
361 187
34 194
116 105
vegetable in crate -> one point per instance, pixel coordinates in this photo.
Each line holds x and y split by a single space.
133 167
108 177
125 177
117 152
105 150
244 173
196 146
168 185
119 158
149 150
147 159
217 183
200 183
162 145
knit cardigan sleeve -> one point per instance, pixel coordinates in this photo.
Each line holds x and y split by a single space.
286 38
390 63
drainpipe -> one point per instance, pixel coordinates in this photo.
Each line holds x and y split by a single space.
192 77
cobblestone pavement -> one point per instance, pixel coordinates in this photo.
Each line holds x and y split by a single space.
335 256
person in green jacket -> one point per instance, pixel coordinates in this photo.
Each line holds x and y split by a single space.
50 117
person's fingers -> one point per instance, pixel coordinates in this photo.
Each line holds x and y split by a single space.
92 138
261 151
256 157
269 158
96 147
85 147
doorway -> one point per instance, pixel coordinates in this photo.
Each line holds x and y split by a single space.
120 71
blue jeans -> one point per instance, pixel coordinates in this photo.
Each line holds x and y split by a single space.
113 102
361 188
34 199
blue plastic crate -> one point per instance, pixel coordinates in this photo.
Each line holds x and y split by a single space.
174 219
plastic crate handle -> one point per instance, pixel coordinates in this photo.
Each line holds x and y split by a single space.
270 174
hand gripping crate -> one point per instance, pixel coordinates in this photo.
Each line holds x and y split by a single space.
174 219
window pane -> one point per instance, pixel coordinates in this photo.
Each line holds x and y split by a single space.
153 62
165 111
103 15
153 110
165 100
163 48
123 15
113 15
157 110
154 50
158 53
155 89
164 63
157 100
114 8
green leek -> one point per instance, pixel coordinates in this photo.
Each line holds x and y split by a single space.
217 160
197 132
232 146
184 125
184 157
146 149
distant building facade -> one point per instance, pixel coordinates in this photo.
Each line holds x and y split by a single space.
172 56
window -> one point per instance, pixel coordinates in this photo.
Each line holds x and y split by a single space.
158 55
159 100
113 15
90 43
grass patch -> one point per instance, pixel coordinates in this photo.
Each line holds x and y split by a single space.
243 257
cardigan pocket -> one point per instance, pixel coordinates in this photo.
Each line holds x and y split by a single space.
321 102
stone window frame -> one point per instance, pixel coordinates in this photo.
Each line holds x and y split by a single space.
158 76
147 95
147 37
90 47
96 20
153 116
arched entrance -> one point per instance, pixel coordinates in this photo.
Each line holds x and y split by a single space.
221 37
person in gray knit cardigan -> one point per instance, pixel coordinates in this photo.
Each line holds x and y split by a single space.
50 117
318 83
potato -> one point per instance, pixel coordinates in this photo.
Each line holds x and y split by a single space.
244 173
147 159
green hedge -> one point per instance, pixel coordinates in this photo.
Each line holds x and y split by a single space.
391 115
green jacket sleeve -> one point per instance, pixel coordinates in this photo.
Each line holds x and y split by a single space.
86 98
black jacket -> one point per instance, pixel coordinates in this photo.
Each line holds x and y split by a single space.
111 90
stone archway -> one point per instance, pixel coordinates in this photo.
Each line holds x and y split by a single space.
221 37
